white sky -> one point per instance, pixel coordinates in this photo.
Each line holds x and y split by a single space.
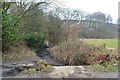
106 6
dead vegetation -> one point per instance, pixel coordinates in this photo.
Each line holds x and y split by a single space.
19 51
80 53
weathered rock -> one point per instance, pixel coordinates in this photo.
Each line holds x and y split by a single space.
22 65
26 65
30 64
10 66
13 63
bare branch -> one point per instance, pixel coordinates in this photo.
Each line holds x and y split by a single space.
27 11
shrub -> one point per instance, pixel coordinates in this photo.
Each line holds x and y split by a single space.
10 33
34 39
80 53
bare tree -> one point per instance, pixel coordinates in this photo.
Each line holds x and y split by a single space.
67 15
26 6
108 19
99 17
79 15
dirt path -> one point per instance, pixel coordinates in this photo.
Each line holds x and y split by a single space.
59 71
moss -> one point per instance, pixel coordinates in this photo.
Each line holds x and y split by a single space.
33 70
43 66
47 68
40 66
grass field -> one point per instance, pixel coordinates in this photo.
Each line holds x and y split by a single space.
110 43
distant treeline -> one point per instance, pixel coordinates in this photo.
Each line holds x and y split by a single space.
99 30
95 25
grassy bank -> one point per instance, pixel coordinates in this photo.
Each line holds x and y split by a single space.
16 52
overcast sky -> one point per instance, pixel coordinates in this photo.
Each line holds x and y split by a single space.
106 6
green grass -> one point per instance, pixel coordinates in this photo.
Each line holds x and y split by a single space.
108 68
110 43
